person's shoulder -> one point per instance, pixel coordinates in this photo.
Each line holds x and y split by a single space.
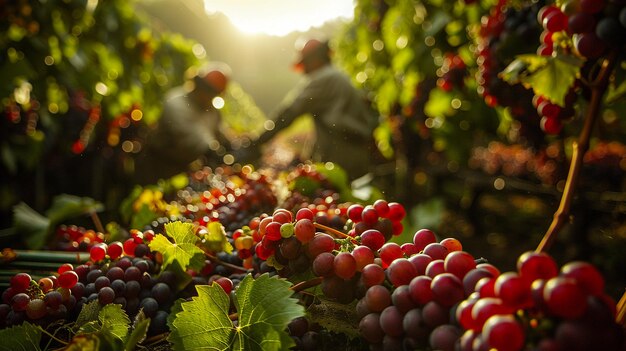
175 93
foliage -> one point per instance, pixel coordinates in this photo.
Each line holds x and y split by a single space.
264 307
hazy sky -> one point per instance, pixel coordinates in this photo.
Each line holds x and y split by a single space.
279 17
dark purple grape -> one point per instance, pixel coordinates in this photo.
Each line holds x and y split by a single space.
132 289
150 306
119 286
158 323
161 292
102 282
106 295
132 273
115 273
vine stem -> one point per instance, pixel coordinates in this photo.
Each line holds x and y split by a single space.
335 232
598 87
307 284
96 221
621 311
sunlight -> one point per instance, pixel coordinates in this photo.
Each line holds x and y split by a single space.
280 17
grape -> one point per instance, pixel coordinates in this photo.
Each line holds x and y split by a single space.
45 284
512 289
143 265
93 275
391 321
298 326
20 282
409 249
282 216
435 268
463 314
486 307
322 265
435 314
304 213
355 212
396 212
98 252
338 288
161 292
369 215
115 250
345 265
423 237
20 301
401 298
589 45
459 263
363 256
321 242
444 337
400 272
53 299
447 289
420 290
124 263
290 248
555 21
381 207
592 6
586 275
272 231
413 324
120 300
486 287
503 333
129 246
533 265
141 250
452 244
436 251
149 306
420 262
372 274
472 277
36 309
581 23
132 273
389 252
101 282
373 239
304 230
377 298
564 297
286 230
225 283
65 267
119 287
106 295
370 329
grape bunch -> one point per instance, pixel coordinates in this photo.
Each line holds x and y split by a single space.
40 302
408 304
541 305
76 238
504 33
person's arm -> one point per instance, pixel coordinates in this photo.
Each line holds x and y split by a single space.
302 100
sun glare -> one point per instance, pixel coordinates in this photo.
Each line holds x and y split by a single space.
280 17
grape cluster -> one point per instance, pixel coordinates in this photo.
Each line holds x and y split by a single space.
504 33
76 238
539 304
40 302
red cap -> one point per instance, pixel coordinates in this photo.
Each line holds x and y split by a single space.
310 48
214 76
217 80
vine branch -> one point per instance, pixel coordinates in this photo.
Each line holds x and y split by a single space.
598 88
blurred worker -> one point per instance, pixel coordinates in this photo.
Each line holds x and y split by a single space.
190 127
343 119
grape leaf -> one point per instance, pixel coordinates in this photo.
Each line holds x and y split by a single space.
182 249
215 239
20 337
264 307
114 320
548 76
138 332
88 313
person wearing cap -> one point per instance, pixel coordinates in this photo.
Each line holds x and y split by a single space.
344 121
190 127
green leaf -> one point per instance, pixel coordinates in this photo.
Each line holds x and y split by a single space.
336 317
215 239
31 225
181 249
203 323
20 337
88 313
143 217
264 306
67 206
114 320
138 333
551 77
